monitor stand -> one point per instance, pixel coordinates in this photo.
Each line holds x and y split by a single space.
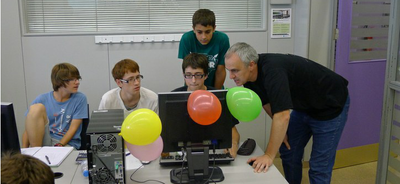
198 170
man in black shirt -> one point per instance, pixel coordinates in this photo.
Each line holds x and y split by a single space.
317 96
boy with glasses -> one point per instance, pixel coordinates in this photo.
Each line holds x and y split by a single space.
55 118
195 72
204 39
129 95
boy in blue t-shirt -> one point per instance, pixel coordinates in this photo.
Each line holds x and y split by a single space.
204 39
55 118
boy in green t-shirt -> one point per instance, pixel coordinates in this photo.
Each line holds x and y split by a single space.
204 39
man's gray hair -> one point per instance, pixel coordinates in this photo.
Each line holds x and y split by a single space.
245 52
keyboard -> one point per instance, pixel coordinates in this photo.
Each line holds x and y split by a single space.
220 158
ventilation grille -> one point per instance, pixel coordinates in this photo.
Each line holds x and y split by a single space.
106 143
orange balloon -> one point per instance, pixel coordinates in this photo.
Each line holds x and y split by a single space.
204 107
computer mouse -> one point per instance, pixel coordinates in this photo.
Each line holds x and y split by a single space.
247 147
58 175
251 163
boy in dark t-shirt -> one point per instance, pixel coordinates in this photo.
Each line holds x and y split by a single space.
195 72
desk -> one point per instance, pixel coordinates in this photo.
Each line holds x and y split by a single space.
68 168
237 171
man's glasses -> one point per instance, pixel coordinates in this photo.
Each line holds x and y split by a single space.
133 79
74 80
196 76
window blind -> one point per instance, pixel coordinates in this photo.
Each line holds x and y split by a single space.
136 16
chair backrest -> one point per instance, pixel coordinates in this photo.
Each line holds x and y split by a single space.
85 124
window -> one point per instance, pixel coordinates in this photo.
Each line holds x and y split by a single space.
43 17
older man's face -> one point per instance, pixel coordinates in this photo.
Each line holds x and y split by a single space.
238 72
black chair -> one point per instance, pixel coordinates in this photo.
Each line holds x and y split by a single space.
85 124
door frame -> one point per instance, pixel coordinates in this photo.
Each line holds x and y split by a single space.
391 86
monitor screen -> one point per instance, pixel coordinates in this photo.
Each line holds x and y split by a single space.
179 130
9 133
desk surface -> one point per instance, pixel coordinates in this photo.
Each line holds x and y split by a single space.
68 168
237 171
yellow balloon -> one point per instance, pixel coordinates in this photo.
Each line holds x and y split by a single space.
141 127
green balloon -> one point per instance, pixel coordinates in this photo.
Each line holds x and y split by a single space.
243 103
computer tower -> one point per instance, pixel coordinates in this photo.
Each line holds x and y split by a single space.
105 148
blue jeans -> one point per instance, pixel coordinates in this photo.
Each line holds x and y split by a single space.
326 135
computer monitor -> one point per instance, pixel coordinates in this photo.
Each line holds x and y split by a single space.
9 132
179 132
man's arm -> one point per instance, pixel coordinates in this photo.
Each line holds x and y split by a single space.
267 109
280 123
75 123
220 75
235 142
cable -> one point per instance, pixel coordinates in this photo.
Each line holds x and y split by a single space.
183 162
212 171
144 180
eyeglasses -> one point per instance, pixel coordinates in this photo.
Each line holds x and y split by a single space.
74 80
196 76
133 79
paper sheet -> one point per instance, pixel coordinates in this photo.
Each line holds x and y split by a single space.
30 151
56 155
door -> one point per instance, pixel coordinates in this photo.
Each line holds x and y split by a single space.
361 58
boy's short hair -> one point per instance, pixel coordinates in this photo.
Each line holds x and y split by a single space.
205 17
124 66
61 73
195 60
20 169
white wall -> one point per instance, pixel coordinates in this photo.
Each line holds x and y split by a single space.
12 66
321 34
27 62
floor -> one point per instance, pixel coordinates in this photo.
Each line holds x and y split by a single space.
363 173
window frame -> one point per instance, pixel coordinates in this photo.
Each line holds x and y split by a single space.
25 31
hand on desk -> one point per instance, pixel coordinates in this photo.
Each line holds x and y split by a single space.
261 163
233 150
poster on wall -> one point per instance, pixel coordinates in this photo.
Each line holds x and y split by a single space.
281 23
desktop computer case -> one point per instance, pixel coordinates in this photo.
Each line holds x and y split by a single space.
105 149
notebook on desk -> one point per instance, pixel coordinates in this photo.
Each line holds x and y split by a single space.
52 156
